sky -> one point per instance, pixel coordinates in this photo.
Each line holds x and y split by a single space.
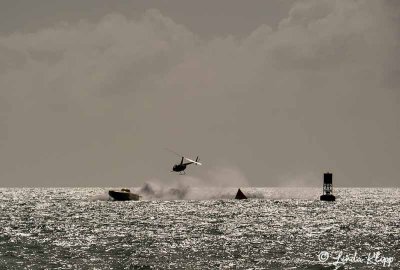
267 93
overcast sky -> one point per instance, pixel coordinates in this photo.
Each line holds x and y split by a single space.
267 93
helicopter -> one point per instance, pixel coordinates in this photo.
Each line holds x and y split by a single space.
181 167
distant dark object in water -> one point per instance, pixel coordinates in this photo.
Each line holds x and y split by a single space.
123 195
240 195
327 188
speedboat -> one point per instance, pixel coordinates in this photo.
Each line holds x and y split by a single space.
123 195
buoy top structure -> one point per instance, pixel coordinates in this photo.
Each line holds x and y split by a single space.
327 188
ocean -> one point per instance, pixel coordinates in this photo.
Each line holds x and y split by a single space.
203 228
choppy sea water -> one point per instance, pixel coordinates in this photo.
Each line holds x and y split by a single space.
278 228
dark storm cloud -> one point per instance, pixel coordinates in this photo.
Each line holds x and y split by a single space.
95 101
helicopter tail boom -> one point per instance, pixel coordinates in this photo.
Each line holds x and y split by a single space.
194 161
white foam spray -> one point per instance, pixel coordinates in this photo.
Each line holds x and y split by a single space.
222 183
219 183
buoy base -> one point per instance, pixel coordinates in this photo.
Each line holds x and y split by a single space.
329 198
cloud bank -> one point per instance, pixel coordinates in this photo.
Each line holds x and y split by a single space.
94 103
